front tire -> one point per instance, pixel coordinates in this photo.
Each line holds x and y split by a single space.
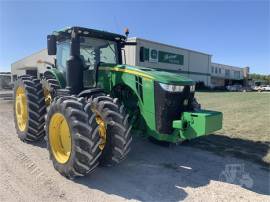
72 141
29 108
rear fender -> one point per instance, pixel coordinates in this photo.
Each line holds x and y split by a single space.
89 92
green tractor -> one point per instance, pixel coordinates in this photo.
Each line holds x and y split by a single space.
87 102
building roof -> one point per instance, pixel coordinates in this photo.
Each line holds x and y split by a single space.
163 44
226 66
29 56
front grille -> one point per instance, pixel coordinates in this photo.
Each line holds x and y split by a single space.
169 106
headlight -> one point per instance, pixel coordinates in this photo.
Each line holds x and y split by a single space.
192 88
172 88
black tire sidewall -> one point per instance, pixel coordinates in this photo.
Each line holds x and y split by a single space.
62 168
21 134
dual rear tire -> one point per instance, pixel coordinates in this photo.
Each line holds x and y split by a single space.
117 135
80 133
72 137
29 109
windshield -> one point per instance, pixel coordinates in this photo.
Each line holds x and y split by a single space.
95 51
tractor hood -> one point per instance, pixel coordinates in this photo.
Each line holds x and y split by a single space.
157 75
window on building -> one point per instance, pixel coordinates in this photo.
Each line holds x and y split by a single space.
219 70
227 72
237 74
212 69
141 54
144 54
32 72
14 77
216 70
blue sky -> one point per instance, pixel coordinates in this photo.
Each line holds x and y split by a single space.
234 32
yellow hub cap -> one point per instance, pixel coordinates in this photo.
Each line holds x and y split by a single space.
60 138
101 131
21 109
48 96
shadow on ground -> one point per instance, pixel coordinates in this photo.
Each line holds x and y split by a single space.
235 147
157 173
41 143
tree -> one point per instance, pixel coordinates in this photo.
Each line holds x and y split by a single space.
265 79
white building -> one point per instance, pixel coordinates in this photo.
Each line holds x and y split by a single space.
192 64
31 64
223 75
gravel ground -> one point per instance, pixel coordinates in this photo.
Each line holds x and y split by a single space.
150 173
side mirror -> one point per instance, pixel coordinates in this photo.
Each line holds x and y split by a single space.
51 44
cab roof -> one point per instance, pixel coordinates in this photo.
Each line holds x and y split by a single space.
66 33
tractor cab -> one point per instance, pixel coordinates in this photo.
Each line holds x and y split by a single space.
80 51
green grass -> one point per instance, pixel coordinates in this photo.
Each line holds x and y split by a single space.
245 115
246 120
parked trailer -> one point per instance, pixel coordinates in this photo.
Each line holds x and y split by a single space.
5 80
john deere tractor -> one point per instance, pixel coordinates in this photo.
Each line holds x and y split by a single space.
87 102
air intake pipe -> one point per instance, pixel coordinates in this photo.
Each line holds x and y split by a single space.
74 74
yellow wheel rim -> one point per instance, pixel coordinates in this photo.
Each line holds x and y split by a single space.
47 96
101 131
60 138
21 109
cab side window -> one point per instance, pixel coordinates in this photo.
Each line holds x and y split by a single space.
62 55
